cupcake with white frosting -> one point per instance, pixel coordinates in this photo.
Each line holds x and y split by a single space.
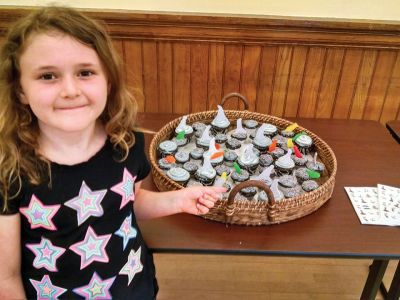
248 160
183 127
270 130
166 148
315 165
260 141
220 123
179 175
182 156
212 154
239 133
304 143
206 173
285 164
204 140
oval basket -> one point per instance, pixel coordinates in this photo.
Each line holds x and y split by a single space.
254 212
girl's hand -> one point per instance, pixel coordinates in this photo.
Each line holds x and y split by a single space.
198 200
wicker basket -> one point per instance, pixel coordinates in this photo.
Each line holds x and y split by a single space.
253 212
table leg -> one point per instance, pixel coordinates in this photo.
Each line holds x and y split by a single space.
394 290
375 276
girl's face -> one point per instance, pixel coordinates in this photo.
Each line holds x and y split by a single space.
64 83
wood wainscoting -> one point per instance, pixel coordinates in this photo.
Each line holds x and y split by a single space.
287 67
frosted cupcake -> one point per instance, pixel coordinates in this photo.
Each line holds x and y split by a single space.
197 153
266 160
304 143
309 185
183 127
264 176
166 148
230 157
299 161
249 192
182 156
179 175
223 169
180 141
221 138
220 123
301 174
285 164
248 160
278 195
216 156
191 167
165 164
277 153
233 144
260 141
204 140
239 133
206 173
316 165
240 177
250 124
270 130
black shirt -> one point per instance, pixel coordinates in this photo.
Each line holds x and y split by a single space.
79 237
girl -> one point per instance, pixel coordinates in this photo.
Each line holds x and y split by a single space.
71 167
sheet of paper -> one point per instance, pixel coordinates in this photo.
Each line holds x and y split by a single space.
389 200
366 204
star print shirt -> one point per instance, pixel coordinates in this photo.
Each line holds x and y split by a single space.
79 237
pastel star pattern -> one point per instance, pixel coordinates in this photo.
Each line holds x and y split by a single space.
92 248
46 254
126 231
45 289
125 188
40 215
133 266
96 289
87 203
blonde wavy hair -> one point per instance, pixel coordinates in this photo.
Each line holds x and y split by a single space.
19 158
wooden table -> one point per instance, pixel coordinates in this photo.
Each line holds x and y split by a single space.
366 155
394 129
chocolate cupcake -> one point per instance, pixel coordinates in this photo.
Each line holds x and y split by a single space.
166 148
288 181
230 157
291 192
220 123
183 127
197 153
316 165
233 144
270 130
248 160
287 134
199 126
299 161
164 164
221 138
179 175
260 141
309 185
223 168
249 192
240 177
204 140
182 156
277 153
281 141
285 164
304 143
180 142
250 124
191 167
239 133
206 173
301 174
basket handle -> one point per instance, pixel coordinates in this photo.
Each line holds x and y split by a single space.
240 96
230 209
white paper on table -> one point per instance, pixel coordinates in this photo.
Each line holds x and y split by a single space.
366 204
389 199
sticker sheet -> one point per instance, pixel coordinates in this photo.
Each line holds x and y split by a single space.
376 205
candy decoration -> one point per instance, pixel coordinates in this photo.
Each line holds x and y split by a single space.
297 152
290 143
217 146
292 127
272 146
170 159
217 154
237 168
313 174
298 135
224 175
181 135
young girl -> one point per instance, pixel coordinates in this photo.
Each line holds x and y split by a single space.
71 167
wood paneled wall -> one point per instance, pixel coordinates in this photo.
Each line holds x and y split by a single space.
285 67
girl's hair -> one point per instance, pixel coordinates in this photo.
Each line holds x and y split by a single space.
19 157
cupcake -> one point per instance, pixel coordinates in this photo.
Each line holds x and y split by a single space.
180 141
250 124
260 141
240 177
316 165
179 175
233 144
278 195
204 140
285 164
223 168
299 161
301 174
309 185
270 130
191 167
230 157
197 153
198 127
206 173
262 196
216 156
165 164
303 142
288 181
291 192
166 148
183 127
281 141
266 160
221 138
220 123
287 134
264 176
249 192
248 160
288 186
277 153
181 156
239 133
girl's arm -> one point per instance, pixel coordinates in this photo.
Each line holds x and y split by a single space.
193 200
10 258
